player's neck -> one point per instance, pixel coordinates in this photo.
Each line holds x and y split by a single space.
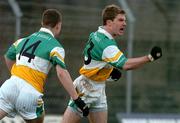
109 30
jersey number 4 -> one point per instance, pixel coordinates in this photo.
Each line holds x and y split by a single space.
28 51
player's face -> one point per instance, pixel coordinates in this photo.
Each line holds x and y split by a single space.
118 25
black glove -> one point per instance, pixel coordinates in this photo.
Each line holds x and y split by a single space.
115 75
155 54
82 106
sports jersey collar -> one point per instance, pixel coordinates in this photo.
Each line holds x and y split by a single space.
102 30
46 30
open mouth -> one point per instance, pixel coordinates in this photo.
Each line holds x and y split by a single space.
121 29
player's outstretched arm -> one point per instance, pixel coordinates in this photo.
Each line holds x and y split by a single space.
67 83
134 63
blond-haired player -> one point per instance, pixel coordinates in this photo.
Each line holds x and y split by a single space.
102 61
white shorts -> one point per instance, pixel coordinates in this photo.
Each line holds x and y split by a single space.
19 97
92 93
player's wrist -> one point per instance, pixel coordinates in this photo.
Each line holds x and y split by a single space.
75 97
76 100
150 58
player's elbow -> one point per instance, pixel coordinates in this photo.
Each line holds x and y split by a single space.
60 71
125 67
9 63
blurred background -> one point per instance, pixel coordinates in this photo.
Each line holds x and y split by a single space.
153 89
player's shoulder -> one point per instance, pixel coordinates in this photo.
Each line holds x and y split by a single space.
54 45
103 40
18 41
55 42
97 36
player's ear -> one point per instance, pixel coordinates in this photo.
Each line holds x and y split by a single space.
58 26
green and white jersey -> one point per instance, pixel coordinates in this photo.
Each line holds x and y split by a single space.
34 57
101 54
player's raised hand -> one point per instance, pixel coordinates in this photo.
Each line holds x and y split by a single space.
155 53
82 106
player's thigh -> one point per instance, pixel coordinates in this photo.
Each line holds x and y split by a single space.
2 114
70 117
98 117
